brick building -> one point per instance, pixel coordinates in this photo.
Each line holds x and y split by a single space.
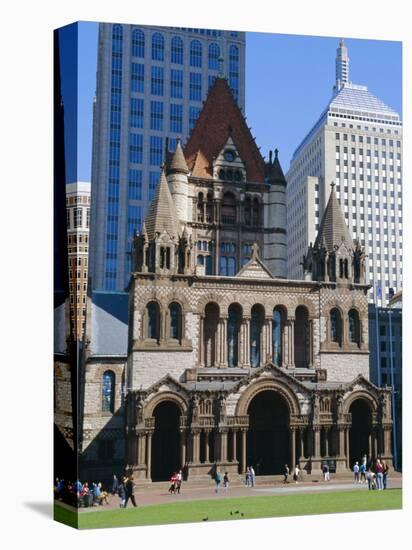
218 358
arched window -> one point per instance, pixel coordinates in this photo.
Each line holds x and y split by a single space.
277 331
302 337
231 267
214 53
233 329
138 43
354 327
117 39
229 209
255 213
209 265
222 175
209 208
210 331
177 50
200 260
158 47
335 326
223 265
175 313
108 385
195 53
153 320
256 324
200 208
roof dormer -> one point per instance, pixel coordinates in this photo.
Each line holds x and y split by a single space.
228 166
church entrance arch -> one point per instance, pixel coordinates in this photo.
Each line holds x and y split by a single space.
268 444
165 441
360 431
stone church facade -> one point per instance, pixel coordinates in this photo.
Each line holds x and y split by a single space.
228 363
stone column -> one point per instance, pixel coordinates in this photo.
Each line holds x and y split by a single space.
195 446
347 448
234 450
182 448
201 353
341 442
301 432
267 347
293 446
291 343
137 447
316 434
370 445
223 444
223 332
246 341
207 446
243 461
326 435
310 340
387 441
149 454
375 440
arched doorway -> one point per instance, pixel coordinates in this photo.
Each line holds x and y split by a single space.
268 445
165 441
359 432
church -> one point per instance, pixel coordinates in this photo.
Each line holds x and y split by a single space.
217 359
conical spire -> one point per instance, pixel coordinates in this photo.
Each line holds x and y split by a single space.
333 229
162 213
178 163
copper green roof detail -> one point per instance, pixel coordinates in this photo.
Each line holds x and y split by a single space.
162 213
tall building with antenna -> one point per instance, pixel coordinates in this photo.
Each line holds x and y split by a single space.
151 84
357 144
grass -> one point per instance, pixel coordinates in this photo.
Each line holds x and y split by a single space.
250 507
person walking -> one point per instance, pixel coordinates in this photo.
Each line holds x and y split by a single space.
286 472
296 474
385 474
115 484
172 481
218 480
325 470
179 479
121 491
362 471
356 473
130 492
226 482
371 481
379 474
247 477
252 476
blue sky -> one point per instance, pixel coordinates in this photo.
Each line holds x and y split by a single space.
289 80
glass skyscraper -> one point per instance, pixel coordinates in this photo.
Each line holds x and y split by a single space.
151 82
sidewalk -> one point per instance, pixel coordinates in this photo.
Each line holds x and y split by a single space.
158 494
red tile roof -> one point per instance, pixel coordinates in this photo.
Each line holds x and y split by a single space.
219 118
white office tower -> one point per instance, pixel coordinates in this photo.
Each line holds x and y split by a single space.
151 84
357 144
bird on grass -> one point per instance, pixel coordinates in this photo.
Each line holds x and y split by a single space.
205 519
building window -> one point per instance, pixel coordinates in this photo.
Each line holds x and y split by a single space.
233 331
136 148
175 313
234 70
195 53
136 113
335 326
134 220
157 81
77 217
135 184
195 86
137 77
156 150
158 47
117 39
153 320
138 43
156 115
229 209
214 53
354 327
256 325
108 386
176 83
176 118
177 50
277 330
193 116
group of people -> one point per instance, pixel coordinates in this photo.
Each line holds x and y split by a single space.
375 473
250 477
286 473
124 488
175 483
80 494
218 481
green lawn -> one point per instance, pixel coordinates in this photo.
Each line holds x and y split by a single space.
250 507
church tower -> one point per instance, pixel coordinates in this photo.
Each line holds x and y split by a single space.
274 240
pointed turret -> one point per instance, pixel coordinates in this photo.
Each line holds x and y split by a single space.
333 229
274 172
178 164
162 214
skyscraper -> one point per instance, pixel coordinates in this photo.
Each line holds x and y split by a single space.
151 82
356 143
